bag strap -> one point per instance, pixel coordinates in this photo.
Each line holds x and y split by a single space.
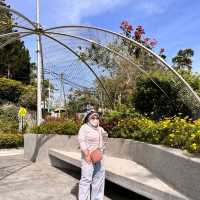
99 136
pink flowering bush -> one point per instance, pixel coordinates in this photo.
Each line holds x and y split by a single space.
127 28
138 34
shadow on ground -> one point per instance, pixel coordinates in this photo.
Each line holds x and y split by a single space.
112 191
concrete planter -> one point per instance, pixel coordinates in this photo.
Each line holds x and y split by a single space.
176 167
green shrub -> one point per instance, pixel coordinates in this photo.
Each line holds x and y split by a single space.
151 100
142 129
10 90
9 118
61 126
28 97
176 132
111 119
193 141
11 140
14 91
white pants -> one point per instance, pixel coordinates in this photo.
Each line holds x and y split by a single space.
92 175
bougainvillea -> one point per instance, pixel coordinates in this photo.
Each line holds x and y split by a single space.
127 28
138 34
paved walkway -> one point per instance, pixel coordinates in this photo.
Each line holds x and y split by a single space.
22 180
10 152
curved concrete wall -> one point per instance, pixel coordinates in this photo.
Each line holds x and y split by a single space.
36 145
176 167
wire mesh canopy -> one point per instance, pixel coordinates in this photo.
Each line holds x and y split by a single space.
86 58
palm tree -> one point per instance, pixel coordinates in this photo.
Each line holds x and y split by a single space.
183 59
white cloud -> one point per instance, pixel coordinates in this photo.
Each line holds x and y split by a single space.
154 7
73 12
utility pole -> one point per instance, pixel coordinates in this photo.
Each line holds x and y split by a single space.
62 93
39 64
63 88
49 89
65 103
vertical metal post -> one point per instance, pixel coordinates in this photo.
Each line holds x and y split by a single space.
62 96
63 89
49 89
39 109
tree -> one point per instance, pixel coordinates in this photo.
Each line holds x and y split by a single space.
5 16
10 90
193 79
18 93
183 59
28 98
79 99
122 93
14 57
152 101
119 70
121 76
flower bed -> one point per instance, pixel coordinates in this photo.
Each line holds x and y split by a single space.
176 132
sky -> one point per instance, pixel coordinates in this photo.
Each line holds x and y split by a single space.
175 24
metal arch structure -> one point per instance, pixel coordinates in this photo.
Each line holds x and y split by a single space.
108 49
126 38
66 81
76 54
91 35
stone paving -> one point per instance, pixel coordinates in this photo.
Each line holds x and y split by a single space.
21 179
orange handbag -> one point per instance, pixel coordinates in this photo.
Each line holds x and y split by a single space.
96 155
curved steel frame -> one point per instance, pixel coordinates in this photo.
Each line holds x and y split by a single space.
19 14
71 50
112 51
68 82
137 44
39 31
16 38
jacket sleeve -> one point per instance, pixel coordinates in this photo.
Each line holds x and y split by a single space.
82 138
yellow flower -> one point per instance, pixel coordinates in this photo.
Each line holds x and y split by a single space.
197 122
171 135
194 146
193 136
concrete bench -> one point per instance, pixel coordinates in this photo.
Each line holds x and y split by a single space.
127 174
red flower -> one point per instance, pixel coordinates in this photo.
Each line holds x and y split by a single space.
137 35
126 27
130 28
162 51
153 42
140 29
146 40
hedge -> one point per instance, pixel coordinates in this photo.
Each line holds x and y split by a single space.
18 93
11 140
176 132
57 126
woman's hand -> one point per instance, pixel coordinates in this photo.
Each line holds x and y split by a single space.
87 156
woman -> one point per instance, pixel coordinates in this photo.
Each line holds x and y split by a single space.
92 174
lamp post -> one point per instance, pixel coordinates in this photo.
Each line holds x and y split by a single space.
39 65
